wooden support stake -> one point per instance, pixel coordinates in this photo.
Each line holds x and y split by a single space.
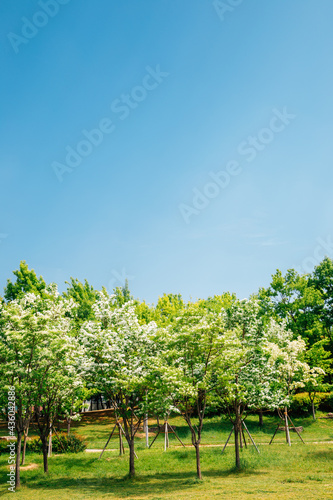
108 440
247 430
232 430
278 426
175 433
166 444
292 423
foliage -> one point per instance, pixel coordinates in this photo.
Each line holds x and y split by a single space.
61 443
26 282
38 357
301 404
117 359
84 296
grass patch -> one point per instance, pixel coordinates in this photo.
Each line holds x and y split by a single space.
296 472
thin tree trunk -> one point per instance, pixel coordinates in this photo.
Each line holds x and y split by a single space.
24 444
313 410
197 453
121 446
18 457
69 420
238 430
237 446
146 430
166 440
261 420
45 450
131 458
287 425
49 451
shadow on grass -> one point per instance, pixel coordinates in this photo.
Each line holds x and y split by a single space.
126 487
322 455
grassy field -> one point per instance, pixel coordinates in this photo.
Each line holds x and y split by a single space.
300 472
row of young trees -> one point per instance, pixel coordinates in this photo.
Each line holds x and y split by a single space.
175 357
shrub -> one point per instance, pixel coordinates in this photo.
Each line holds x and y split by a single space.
60 444
4 450
301 404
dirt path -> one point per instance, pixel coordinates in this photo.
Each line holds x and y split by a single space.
97 450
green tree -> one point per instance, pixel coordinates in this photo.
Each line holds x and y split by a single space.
37 357
168 307
84 295
117 359
187 350
318 357
322 281
26 282
294 297
245 378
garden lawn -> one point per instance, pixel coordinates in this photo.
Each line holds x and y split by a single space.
300 472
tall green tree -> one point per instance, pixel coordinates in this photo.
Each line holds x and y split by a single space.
245 378
294 297
84 295
168 307
26 282
322 281
188 349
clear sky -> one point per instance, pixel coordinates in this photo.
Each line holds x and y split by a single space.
184 144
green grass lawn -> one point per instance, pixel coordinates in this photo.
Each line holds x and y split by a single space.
300 472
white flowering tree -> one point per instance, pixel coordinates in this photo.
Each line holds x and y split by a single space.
188 350
37 355
245 378
117 360
286 357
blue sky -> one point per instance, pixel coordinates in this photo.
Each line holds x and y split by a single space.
180 90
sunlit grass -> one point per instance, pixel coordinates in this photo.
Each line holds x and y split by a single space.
299 472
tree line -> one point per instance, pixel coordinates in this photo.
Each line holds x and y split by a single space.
172 357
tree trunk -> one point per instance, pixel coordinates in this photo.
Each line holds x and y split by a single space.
313 410
49 452
24 445
45 450
131 458
261 420
237 446
197 453
18 457
287 426
146 430
166 439
238 430
121 446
